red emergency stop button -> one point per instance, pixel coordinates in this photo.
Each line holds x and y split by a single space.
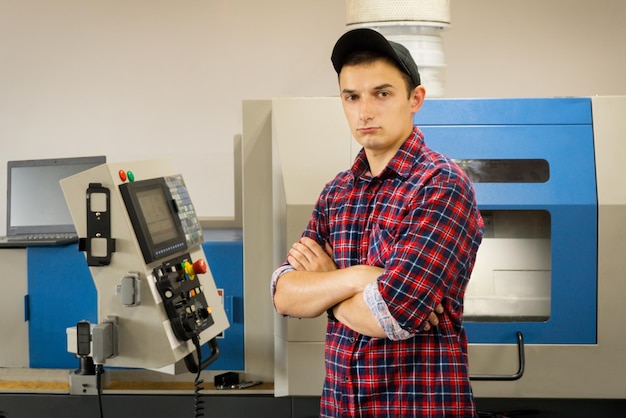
199 266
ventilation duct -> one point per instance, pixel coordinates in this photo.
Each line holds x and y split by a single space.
416 24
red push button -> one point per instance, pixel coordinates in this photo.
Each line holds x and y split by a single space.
199 266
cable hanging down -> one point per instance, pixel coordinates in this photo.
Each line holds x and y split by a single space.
198 388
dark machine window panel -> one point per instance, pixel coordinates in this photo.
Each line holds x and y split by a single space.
505 170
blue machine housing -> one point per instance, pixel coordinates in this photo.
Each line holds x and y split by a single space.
558 130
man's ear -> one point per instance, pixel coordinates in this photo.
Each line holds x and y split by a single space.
417 98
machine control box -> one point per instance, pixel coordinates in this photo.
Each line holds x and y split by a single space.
157 283
183 296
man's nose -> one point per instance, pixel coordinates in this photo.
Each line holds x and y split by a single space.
366 111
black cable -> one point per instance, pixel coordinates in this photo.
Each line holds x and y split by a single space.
99 371
198 388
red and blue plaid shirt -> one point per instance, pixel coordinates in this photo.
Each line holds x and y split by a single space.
418 219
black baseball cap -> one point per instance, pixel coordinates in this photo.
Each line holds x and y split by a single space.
364 39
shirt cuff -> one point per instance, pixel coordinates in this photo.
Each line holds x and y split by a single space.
286 268
377 305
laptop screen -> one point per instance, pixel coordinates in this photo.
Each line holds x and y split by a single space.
35 201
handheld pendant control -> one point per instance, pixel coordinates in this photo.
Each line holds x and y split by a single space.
183 296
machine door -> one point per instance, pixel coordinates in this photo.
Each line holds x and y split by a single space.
532 165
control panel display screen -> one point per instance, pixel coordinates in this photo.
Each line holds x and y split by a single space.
157 215
154 215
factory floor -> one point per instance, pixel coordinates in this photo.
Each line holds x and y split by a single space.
21 405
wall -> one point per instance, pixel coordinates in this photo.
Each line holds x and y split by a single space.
536 48
153 78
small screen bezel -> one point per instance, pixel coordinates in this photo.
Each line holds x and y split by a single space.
150 249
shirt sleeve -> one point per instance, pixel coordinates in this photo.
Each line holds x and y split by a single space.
285 268
377 305
314 230
432 255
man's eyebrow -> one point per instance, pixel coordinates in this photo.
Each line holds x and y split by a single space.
384 86
380 87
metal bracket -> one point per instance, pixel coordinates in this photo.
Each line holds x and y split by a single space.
98 244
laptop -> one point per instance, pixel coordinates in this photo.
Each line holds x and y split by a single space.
37 213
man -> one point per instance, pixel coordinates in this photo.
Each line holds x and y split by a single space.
390 242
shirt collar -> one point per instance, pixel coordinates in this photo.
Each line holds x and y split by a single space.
402 163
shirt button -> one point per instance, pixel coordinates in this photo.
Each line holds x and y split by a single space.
352 340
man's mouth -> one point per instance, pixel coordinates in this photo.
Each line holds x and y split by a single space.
368 130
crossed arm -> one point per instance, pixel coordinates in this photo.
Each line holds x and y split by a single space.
318 285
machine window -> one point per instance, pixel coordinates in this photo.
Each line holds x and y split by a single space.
506 170
512 276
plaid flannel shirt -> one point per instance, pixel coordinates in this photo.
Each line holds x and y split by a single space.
418 219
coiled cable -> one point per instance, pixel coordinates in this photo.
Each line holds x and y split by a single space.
198 388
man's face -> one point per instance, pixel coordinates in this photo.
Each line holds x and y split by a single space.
375 102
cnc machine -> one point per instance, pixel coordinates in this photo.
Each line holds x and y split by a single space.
544 306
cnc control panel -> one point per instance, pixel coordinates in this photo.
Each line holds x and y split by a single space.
153 280
183 295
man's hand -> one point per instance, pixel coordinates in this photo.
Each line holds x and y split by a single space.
433 320
308 255
317 284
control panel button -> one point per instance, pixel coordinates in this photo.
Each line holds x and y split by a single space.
200 266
